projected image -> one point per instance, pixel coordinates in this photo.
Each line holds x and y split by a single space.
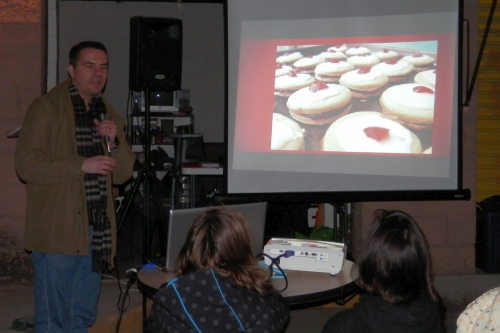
343 97
357 98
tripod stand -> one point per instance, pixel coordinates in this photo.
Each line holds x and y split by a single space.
154 221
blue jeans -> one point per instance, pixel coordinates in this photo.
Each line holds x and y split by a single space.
66 293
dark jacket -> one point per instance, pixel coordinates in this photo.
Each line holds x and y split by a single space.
374 315
200 295
47 160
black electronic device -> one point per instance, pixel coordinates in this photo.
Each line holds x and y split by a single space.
488 235
155 53
162 100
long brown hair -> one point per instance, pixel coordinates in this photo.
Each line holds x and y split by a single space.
395 262
219 239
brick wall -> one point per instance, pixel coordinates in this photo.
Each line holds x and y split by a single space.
488 124
448 226
22 73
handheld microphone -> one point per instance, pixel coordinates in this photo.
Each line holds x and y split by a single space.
99 110
132 276
100 113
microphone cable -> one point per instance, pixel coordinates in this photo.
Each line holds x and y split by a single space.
132 277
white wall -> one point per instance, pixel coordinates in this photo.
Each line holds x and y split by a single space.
52 43
203 51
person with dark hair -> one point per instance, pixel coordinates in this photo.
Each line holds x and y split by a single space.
395 273
219 285
69 156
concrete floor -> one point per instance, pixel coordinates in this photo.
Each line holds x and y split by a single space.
16 302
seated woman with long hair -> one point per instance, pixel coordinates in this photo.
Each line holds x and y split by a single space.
219 285
395 273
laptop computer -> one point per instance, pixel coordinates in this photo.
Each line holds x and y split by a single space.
181 220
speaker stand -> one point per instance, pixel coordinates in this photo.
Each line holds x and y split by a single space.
156 224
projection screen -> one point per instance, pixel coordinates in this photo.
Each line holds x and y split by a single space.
333 99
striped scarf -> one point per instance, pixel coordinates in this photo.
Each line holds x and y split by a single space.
89 144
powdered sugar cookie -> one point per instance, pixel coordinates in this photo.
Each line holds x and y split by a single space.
289 58
331 70
386 54
286 134
364 82
363 60
307 64
409 104
357 50
396 71
426 77
285 85
370 132
319 103
282 70
420 62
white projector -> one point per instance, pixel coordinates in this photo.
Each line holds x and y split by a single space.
306 255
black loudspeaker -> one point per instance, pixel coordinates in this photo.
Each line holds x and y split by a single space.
155 53
488 235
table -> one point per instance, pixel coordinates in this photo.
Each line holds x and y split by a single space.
194 170
304 288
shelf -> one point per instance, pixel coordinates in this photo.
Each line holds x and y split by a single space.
166 147
162 121
159 174
153 114
137 119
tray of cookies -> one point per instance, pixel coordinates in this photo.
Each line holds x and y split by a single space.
355 98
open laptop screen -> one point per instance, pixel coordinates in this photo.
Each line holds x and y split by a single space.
182 219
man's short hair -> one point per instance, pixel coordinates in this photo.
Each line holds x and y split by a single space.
74 53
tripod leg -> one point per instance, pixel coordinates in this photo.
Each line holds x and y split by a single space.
130 199
146 220
128 204
158 234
